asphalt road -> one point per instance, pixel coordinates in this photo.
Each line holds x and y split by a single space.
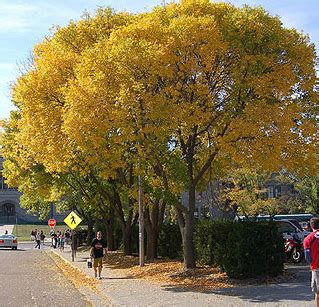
29 277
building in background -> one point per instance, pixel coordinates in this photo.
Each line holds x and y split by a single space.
10 210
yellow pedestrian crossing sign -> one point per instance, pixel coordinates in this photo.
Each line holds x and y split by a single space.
72 220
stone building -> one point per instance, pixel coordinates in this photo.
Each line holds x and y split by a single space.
10 210
12 213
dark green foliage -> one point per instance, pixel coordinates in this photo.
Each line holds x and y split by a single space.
205 242
241 249
170 242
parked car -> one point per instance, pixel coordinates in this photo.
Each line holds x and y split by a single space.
9 241
291 227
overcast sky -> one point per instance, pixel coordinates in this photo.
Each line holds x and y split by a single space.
24 23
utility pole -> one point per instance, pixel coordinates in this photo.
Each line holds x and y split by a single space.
141 221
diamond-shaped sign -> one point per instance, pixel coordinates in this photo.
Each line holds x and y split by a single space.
72 220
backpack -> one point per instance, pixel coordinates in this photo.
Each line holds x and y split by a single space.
308 251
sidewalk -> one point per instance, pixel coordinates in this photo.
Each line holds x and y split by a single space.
126 291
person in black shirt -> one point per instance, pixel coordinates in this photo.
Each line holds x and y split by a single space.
98 251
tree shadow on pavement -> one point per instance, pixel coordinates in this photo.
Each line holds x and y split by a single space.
293 289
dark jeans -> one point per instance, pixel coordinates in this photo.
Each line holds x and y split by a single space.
38 244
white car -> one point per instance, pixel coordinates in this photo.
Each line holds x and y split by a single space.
9 241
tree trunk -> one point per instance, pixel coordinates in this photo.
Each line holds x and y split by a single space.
188 243
151 248
90 234
110 234
185 217
154 217
127 240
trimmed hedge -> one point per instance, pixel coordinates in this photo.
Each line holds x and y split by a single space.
241 249
247 249
170 242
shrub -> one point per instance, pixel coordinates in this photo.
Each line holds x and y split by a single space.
170 242
241 249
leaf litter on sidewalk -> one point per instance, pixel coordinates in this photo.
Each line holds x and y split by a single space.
76 276
167 272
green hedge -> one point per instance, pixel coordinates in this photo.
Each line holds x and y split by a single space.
248 249
170 242
241 249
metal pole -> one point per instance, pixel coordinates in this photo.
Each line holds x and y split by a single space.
141 221
16 225
72 246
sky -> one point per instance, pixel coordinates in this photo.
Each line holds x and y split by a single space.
24 23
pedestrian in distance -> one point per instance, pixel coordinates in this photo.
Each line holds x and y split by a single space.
59 238
42 236
98 252
62 241
67 237
32 235
38 240
311 242
52 234
55 239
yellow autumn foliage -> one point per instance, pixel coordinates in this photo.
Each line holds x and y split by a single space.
182 87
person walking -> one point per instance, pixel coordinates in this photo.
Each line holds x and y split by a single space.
62 241
59 238
98 251
42 236
38 240
312 242
32 235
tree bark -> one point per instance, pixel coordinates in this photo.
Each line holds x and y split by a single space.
90 234
185 217
127 240
152 237
110 234
154 217
188 244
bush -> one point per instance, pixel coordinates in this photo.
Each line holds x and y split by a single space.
205 242
170 242
241 249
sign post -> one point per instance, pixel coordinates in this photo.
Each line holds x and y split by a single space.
73 220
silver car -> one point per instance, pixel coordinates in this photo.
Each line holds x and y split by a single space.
8 241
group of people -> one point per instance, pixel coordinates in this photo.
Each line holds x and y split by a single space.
60 238
38 237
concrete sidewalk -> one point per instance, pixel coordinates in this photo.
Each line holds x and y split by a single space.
127 291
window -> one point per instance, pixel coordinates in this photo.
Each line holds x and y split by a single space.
270 191
285 227
277 191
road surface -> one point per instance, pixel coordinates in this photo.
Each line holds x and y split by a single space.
29 277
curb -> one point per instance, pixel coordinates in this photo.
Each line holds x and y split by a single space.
89 293
67 261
